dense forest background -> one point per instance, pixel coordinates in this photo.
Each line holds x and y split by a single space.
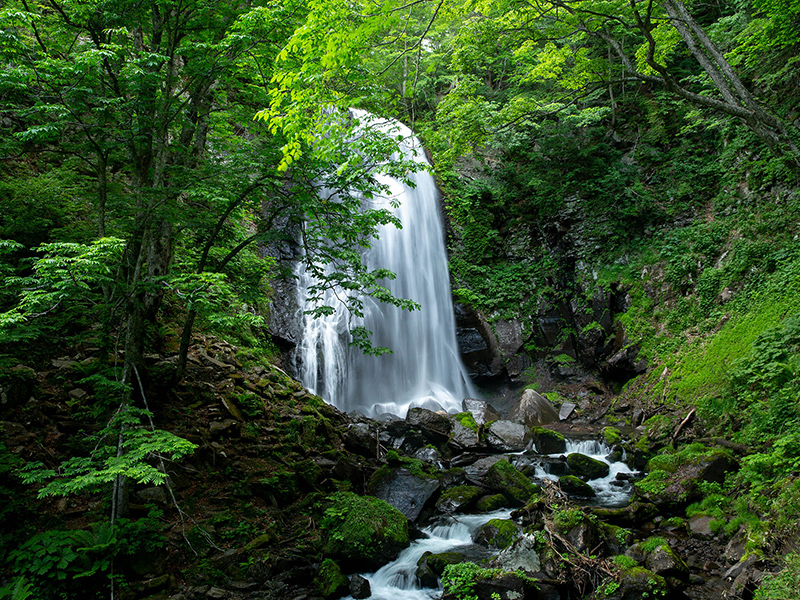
160 161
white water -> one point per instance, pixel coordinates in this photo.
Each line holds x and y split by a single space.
398 581
425 368
608 494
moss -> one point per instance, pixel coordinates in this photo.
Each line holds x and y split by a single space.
547 441
505 478
498 533
575 487
463 494
363 526
491 503
612 436
330 582
467 420
438 562
652 544
586 466
625 562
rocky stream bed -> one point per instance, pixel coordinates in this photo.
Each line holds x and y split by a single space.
288 498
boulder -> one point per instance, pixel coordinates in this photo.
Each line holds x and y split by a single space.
465 433
481 411
546 441
406 491
431 566
633 515
509 586
359 587
363 532
663 561
572 486
636 583
506 436
330 582
520 555
497 533
361 439
506 479
457 499
429 421
534 410
566 410
491 503
587 467
476 471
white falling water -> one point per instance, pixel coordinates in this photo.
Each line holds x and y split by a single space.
424 368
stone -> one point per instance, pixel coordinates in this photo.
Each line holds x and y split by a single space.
633 515
407 492
521 554
663 561
476 471
457 499
546 441
637 583
216 593
463 436
153 495
361 439
429 420
497 533
566 411
431 566
534 410
506 479
226 428
572 486
587 467
491 503
506 436
359 587
16 386
508 586
700 526
481 411
78 394
330 582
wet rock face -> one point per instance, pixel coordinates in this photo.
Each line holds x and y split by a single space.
481 411
587 467
407 492
506 436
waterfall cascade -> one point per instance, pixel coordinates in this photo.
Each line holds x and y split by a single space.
424 368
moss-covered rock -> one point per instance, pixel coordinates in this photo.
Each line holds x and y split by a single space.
431 566
612 436
674 479
330 582
497 533
506 479
546 441
633 583
491 503
573 486
587 467
363 531
457 499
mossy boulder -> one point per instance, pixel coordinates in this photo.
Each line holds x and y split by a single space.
633 515
362 531
572 486
330 582
612 436
503 477
674 479
546 441
657 555
457 499
587 467
431 566
465 433
497 533
491 503
407 489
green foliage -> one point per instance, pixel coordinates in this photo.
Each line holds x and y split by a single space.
652 544
467 420
18 590
782 585
460 579
108 461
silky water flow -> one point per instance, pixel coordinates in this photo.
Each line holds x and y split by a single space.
424 368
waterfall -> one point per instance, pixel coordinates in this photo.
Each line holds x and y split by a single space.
424 368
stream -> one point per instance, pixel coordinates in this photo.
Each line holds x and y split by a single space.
397 580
